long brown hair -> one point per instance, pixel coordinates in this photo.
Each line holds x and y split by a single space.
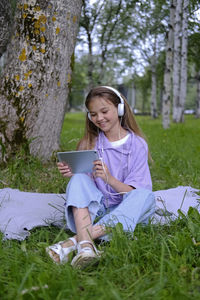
91 131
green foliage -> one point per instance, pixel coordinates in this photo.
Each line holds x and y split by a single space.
120 35
157 262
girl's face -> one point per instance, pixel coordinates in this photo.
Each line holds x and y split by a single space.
104 115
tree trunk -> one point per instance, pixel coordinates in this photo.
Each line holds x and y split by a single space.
34 83
184 46
180 60
166 100
88 24
132 97
176 67
154 113
198 96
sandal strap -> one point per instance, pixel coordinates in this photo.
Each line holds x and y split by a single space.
87 249
73 240
61 251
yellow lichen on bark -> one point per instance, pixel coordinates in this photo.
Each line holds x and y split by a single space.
36 31
25 6
21 88
42 50
42 19
53 18
74 19
26 75
68 78
37 8
29 85
37 24
34 48
58 83
22 119
17 77
57 30
22 56
42 39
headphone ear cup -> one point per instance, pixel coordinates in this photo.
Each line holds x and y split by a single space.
89 116
120 109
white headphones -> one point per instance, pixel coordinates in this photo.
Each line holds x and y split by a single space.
120 107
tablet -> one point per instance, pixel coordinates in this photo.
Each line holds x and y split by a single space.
79 161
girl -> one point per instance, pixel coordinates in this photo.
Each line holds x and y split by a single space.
118 190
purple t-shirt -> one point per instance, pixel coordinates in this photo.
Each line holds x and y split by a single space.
127 162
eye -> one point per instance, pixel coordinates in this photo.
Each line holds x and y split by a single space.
105 111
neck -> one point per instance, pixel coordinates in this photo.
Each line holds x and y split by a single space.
116 135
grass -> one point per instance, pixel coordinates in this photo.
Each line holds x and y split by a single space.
160 262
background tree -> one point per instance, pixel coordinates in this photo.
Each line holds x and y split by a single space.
194 50
167 88
34 82
180 59
136 46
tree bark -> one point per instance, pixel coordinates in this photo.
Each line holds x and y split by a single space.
166 100
176 67
184 50
34 83
154 113
5 24
133 95
180 60
86 24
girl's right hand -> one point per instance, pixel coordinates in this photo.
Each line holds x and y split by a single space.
64 169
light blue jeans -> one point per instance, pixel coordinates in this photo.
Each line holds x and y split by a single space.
136 207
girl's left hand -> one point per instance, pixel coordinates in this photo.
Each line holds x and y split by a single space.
101 170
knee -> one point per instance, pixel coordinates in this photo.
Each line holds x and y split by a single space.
141 195
79 177
77 180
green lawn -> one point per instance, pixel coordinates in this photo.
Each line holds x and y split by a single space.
160 262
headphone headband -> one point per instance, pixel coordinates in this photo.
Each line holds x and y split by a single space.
116 92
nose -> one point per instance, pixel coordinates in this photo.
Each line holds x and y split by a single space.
99 117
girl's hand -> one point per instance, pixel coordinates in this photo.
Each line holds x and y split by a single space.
101 170
64 169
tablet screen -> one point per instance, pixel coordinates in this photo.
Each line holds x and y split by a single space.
79 161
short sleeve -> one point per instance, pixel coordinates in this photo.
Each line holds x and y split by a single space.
139 175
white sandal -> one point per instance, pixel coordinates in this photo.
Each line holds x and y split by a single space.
62 252
85 256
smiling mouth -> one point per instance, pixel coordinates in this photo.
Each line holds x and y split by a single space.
102 124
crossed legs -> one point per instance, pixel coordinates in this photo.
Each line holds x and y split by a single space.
85 230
